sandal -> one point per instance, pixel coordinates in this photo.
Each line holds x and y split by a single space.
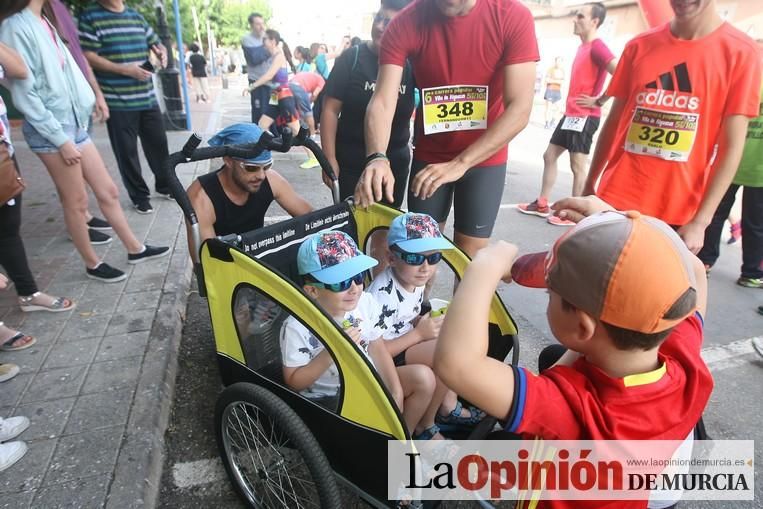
18 342
58 304
427 434
454 418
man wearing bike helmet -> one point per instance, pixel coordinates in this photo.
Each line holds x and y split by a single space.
235 198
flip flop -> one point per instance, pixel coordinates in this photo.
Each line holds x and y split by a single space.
20 337
58 305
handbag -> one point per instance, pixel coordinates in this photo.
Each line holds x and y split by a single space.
11 183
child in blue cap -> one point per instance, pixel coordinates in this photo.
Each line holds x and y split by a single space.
334 270
415 247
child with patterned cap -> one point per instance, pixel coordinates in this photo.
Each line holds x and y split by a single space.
415 246
334 270
626 299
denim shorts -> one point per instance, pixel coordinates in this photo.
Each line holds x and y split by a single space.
41 145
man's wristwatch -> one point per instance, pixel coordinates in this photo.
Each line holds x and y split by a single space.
374 157
601 101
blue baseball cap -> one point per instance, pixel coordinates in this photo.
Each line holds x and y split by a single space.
238 134
416 233
331 257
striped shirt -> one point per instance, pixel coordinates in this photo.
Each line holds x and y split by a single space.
121 37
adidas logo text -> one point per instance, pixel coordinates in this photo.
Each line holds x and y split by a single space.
667 99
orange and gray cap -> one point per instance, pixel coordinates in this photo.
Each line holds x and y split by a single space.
623 268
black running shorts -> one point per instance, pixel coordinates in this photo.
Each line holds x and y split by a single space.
574 141
476 198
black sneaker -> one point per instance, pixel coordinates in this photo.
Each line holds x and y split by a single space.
98 238
143 207
106 273
98 224
148 253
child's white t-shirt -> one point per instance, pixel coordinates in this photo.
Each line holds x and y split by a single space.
299 345
398 307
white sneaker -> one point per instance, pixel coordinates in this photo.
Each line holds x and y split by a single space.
12 427
8 371
757 344
10 453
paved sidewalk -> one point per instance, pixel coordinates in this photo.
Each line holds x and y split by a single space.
97 385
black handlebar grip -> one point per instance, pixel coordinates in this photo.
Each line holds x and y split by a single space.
286 139
193 142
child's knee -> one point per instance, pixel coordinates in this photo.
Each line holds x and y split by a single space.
424 379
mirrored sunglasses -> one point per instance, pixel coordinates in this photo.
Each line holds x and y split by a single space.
341 286
417 258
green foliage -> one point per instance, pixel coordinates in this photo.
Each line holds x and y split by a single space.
227 18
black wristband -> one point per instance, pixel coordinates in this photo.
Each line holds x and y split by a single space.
374 157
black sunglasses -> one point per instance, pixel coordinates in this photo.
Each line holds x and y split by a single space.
417 258
341 286
254 168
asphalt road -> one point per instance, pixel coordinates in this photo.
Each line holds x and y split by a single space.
193 475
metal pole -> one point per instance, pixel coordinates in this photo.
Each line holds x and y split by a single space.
183 74
196 27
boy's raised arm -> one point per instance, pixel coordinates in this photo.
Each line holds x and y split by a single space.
461 359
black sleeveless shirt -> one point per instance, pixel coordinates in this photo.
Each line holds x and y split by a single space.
232 218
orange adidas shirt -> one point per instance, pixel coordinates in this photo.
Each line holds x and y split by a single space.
676 95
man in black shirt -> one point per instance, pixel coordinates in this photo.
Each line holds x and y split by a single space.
347 92
199 73
235 198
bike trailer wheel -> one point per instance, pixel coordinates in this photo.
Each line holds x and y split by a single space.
270 455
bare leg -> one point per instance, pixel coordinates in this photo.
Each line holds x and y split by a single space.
550 168
70 185
107 195
579 165
443 399
294 126
265 122
468 244
418 385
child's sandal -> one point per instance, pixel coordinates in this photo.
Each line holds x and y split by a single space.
454 418
427 434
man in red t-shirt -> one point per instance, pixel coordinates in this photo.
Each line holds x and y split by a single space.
684 93
575 130
474 61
